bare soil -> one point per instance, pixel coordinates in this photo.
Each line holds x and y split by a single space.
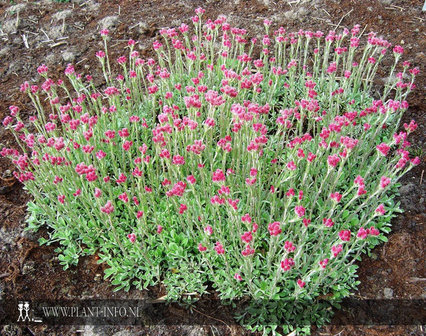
56 33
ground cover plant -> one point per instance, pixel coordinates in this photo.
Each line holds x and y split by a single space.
263 174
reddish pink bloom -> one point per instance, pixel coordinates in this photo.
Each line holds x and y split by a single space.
191 179
218 176
124 197
159 229
333 160
301 283
182 208
127 145
247 251
311 157
132 237
246 218
107 208
323 263
362 233
291 165
289 247
139 214
77 192
274 228
380 209
178 160
383 149
208 230
361 190
359 180
61 199
336 249
98 192
290 192
345 235
238 277
336 197
398 49
328 222
373 231
250 181
219 248
122 178
247 237
201 248
299 210
287 264
306 222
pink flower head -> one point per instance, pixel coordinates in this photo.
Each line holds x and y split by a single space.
362 233
132 237
373 231
336 250
289 246
359 180
246 218
238 277
98 192
383 148
361 191
124 197
191 179
287 264
380 210
328 222
201 248
42 69
398 49
291 165
107 208
274 228
248 251
247 237
323 263
61 199
104 32
182 208
219 248
299 210
218 176
301 283
208 230
333 160
159 229
345 235
306 222
178 160
139 214
336 197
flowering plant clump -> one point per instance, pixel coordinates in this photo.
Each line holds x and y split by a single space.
266 175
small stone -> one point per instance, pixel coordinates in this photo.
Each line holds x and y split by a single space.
28 268
62 15
16 8
9 26
142 27
388 293
407 189
68 56
109 22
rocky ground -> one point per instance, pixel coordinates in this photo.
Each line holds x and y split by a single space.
60 32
